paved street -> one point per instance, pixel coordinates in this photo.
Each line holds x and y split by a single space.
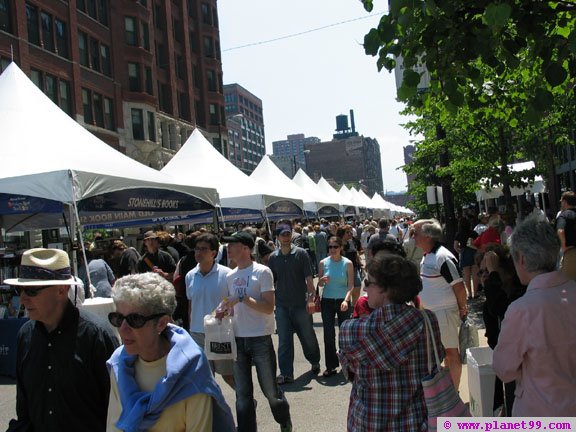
317 404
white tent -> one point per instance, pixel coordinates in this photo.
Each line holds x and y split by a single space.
267 173
329 192
362 198
313 190
46 154
537 186
348 200
199 162
380 203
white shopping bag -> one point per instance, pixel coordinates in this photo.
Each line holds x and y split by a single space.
220 343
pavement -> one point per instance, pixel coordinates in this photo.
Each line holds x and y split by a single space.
317 404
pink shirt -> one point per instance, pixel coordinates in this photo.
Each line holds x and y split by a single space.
537 348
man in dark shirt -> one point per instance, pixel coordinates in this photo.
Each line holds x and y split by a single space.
156 260
295 291
62 380
127 259
382 236
566 229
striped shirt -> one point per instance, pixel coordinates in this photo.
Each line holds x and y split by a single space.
439 272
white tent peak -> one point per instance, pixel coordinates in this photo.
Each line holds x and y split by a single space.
49 155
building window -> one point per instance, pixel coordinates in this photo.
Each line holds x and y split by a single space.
191 8
143 2
159 17
211 80
87 106
109 114
47 33
197 77
105 57
206 14
178 34
161 57
137 124
145 37
61 37
4 62
213 114
151 126
94 54
96 9
193 41
51 89
98 110
164 98
215 17
180 69
208 47
130 31
5 16
83 48
184 106
134 77
148 78
32 24
65 98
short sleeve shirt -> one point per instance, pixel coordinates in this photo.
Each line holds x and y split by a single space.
439 272
251 281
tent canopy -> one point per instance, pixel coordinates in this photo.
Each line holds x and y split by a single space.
48 155
313 190
199 162
537 186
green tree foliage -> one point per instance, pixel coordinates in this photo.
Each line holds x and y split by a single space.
454 38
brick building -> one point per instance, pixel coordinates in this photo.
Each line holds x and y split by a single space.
140 75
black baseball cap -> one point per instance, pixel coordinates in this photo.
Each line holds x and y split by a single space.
240 237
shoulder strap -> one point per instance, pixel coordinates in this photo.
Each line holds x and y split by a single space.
430 336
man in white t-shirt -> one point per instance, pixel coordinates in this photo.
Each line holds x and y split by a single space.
251 296
443 290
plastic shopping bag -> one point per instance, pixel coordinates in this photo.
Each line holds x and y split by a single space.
468 337
220 343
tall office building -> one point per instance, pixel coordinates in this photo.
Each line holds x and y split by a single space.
408 158
246 127
290 154
140 75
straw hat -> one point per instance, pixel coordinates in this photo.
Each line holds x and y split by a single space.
40 267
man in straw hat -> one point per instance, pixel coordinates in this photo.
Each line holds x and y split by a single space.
62 381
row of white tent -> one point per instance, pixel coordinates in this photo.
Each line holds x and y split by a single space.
48 156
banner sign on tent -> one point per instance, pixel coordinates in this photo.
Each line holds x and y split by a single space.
350 211
143 200
20 204
284 208
328 211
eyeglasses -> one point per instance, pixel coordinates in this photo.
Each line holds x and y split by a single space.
333 247
368 282
201 249
135 321
31 292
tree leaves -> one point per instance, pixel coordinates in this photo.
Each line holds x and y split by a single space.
496 16
555 74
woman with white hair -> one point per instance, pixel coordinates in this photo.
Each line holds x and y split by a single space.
160 379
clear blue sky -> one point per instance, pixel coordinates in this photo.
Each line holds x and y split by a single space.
306 81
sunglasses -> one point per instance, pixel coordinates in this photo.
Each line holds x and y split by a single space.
135 321
333 247
368 282
30 292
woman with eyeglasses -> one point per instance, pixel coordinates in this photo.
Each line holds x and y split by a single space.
336 277
385 353
160 379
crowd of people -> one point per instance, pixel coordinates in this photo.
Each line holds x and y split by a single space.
380 282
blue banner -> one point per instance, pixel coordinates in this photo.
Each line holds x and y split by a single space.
20 204
283 209
143 200
328 211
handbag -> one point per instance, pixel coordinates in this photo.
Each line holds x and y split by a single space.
467 338
442 399
317 301
219 342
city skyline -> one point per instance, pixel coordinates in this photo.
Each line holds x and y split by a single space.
314 71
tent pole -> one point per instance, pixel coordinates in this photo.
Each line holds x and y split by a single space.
75 223
222 217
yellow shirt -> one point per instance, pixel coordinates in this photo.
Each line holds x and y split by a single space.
193 414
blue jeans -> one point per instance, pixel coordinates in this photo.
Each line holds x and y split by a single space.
290 320
331 309
259 351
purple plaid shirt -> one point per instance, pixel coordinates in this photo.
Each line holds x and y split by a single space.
385 357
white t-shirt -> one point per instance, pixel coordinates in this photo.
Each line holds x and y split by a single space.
439 272
251 281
